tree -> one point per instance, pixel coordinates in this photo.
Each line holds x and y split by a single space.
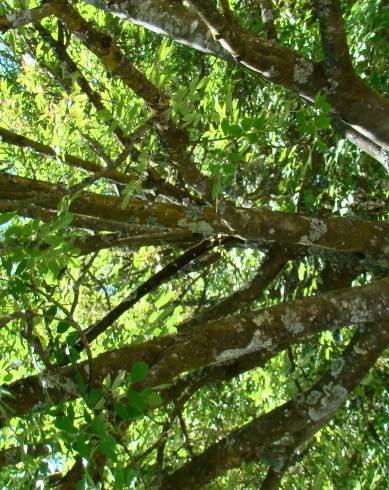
195 255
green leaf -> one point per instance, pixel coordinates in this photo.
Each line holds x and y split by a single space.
235 157
164 298
107 446
82 446
21 267
216 186
321 146
7 265
58 353
50 276
7 378
322 104
136 401
5 217
122 411
139 371
118 380
72 338
225 127
93 397
98 426
247 123
367 380
154 315
63 220
322 121
63 327
258 122
151 398
81 484
235 130
228 168
65 424
172 320
104 115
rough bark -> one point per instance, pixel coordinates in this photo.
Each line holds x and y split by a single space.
337 57
15 20
250 224
14 455
267 14
347 95
314 407
263 333
273 61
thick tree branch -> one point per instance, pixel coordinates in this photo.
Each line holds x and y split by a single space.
24 17
167 18
285 455
313 408
267 14
139 237
148 236
249 224
263 333
141 234
337 63
273 61
14 455
278 64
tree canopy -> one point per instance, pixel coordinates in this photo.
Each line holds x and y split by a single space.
194 244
